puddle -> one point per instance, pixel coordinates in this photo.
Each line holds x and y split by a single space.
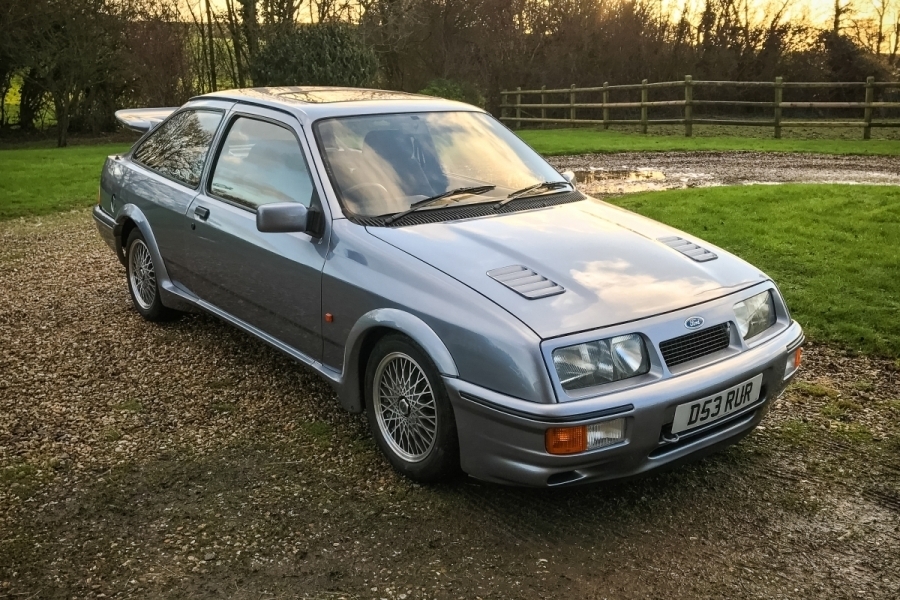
628 172
591 176
626 180
619 181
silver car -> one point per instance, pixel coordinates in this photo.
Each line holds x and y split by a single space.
447 281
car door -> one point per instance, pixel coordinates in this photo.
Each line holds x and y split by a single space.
170 162
271 281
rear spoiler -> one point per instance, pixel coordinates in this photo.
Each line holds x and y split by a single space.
142 120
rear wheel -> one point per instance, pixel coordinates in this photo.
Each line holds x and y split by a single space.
409 411
142 283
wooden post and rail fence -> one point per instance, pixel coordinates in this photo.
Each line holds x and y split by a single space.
525 112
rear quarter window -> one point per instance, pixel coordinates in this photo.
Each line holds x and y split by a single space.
177 149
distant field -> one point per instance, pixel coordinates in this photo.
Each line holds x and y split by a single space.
11 106
556 142
37 181
831 248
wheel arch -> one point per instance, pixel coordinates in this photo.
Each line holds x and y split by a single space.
122 231
365 334
131 217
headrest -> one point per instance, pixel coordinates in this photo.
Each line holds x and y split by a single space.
388 142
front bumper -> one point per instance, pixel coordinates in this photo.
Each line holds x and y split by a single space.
502 439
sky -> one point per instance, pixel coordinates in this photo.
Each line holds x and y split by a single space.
818 12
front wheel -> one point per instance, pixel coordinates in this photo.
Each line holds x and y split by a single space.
409 411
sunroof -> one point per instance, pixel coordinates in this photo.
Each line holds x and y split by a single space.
323 95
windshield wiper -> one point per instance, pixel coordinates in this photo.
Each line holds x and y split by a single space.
526 191
477 189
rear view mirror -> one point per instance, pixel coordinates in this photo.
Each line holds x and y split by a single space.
282 217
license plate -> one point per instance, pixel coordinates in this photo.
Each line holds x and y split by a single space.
715 407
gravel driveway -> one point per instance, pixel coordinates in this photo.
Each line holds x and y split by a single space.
189 460
636 171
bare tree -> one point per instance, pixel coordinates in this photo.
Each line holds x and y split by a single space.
89 56
73 50
211 51
842 8
233 24
156 65
895 44
869 32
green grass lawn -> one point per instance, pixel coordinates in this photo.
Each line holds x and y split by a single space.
555 142
44 180
834 250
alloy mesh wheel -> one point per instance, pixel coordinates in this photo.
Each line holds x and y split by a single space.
141 274
405 407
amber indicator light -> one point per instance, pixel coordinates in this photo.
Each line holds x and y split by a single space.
566 440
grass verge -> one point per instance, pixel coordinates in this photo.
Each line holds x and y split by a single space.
557 142
38 181
831 248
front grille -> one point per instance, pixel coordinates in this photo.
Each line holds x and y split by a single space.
695 345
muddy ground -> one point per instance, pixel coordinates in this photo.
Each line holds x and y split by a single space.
639 171
189 460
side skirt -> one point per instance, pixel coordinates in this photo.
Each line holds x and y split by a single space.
334 377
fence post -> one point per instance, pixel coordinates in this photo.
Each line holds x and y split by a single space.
503 100
605 103
778 90
688 107
870 97
572 104
543 102
644 106
518 110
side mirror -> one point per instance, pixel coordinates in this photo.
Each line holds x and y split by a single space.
569 176
282 217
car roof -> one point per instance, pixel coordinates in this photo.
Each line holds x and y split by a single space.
316 102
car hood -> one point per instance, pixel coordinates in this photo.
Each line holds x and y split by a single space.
610 262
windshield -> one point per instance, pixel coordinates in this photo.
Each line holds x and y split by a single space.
382 164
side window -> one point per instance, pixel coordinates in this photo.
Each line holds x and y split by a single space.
261 163
178 148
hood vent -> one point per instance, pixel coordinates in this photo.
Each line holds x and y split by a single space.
689 249
526 282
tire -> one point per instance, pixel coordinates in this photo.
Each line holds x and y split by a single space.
142 283
416 434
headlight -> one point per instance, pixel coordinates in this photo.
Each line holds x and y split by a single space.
754 315
603 361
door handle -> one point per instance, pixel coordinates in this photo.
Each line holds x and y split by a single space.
202 212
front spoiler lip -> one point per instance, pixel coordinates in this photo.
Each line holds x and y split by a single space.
549 419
